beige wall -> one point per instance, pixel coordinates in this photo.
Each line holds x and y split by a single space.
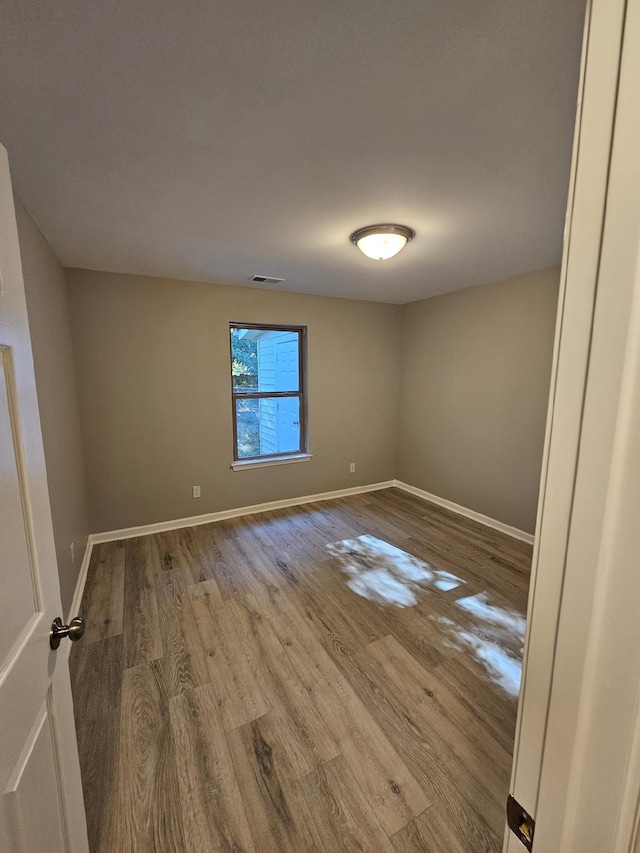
457 383
475 376
53 361
153 378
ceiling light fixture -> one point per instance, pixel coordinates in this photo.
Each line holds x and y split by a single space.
380 242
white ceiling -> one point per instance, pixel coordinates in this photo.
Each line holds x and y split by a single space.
215 139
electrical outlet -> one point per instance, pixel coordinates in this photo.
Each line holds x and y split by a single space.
196 491
73 552
352 467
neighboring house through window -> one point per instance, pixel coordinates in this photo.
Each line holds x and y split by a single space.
268 390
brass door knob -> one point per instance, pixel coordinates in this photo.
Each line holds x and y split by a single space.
74 631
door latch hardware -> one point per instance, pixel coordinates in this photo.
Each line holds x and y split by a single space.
74 630
520 822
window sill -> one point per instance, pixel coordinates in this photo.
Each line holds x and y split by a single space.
241 464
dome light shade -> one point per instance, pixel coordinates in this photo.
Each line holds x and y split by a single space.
381 242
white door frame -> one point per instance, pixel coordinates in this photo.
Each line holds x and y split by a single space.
574 754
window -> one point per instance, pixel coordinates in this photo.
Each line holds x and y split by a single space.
268 391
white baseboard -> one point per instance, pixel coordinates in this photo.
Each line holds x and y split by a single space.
76 603
82 579
467 513
194 521
207 518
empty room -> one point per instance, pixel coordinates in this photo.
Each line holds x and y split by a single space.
302 395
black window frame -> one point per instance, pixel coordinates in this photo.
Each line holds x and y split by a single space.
301 393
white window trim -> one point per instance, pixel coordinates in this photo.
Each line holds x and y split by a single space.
268 462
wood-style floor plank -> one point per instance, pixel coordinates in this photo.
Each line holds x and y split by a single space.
215 819
438 830
390 788
465 800
468 747
239 697
103 601
240 693
256 581
183 662
464 676
142 635
280 822
343 818
142 817
207 589
304 739
96 678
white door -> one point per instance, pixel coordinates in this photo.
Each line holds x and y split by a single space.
278 370
577 751
287 363
288 379
41 806
288 417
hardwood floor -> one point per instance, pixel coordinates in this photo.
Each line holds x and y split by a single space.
336 676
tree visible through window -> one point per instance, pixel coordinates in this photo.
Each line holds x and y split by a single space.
268 381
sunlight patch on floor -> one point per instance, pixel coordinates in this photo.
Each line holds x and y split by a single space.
494 635
387 575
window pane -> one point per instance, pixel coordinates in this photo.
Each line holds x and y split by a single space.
244 361
265 360
280 425
248 427
268 426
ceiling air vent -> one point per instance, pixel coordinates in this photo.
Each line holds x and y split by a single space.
266 279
